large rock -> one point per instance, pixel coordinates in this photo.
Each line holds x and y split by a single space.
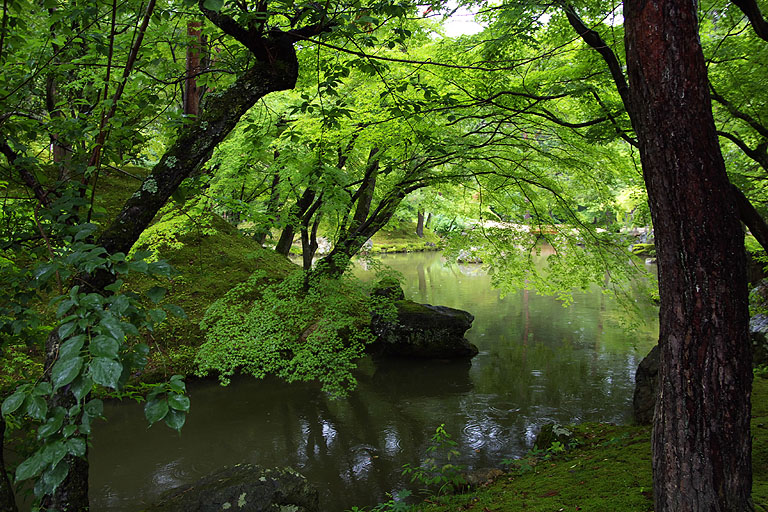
646 387
243 488
423 331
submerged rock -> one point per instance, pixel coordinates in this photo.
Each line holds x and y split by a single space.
243 488
423 331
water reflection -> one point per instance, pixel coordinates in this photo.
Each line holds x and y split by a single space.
538 362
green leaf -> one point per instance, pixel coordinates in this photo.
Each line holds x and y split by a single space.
94 408
67 329
175 419
43 389
53 477
76 446
82 386
157 315
179 402
106 371
69 430
104 346
37 407
175 310
113 327
65 371
156 294
156 409
177 384
213 5
31 467
13 402
51 426
71 348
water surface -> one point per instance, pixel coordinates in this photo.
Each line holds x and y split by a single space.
538 362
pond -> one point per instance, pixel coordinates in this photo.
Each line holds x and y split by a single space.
539 362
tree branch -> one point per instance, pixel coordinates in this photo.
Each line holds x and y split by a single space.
752 11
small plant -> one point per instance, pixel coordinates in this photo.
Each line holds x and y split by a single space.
430 472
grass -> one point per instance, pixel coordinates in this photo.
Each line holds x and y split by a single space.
609 471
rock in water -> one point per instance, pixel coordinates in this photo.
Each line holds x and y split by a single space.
646 387
423 331
243 488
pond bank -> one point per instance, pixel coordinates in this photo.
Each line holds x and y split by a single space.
609 470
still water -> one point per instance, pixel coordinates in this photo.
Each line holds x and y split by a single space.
539 362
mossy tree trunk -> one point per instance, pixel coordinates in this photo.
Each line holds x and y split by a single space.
701 438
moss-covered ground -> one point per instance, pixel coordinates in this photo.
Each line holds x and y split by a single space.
403 239
610 470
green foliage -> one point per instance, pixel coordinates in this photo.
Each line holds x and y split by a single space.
94 352
176 222
303 328
437 471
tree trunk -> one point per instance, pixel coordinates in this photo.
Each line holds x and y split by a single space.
272 206
191 91
701 439
195 144
420 224
7 501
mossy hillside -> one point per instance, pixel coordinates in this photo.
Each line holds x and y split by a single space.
609 471
210 257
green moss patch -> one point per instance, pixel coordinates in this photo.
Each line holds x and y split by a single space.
210 257
404 239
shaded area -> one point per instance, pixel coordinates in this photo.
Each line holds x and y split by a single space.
538 362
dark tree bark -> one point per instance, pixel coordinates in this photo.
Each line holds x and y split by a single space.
7 501
701 440
295 217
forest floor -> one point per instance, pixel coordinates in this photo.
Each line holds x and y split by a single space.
609 470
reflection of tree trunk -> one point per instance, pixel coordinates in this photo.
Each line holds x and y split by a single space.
422 282
420 224
7 501
526 317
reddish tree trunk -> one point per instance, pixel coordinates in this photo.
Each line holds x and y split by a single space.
701 440
191 91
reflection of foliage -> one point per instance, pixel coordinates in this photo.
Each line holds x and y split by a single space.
302 328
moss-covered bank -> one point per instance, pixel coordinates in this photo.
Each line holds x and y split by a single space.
610 470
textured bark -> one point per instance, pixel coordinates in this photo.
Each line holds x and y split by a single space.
7 501
701 440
